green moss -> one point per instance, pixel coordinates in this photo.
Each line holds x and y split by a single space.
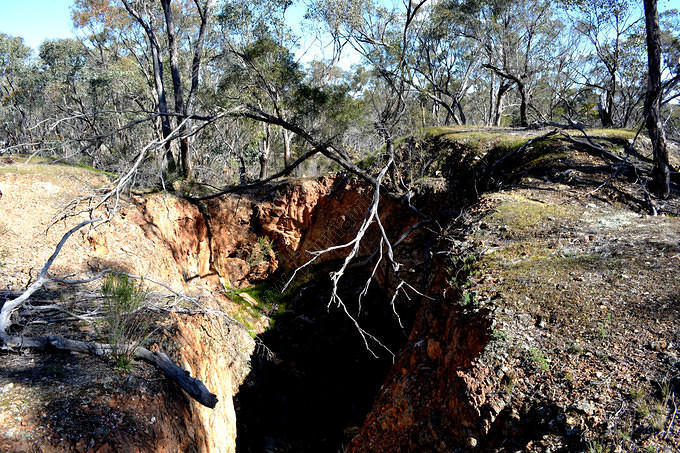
520 213
268 301
622 134
95 170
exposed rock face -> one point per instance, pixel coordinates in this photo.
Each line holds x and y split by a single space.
436 397
182 229
219 354
220 242
444 345
162 238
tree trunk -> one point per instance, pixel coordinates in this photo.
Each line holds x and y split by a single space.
180 110
492 113
463 119
159 86
264 152
661 170
166 129
502 89
605 111
287 138
523 121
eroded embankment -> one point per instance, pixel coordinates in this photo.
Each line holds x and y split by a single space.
472 371
312 393
64 402
313 386
312 389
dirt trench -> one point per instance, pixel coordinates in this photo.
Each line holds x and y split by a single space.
314 385
466 376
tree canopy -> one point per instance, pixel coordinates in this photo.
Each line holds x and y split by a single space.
228 89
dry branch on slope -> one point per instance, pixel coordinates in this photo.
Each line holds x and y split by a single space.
194 387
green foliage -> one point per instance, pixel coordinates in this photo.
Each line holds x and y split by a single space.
509 385
260 252
460 269
539 358
498 335
125 326
255 304
575 349
467 299
603 327
595 447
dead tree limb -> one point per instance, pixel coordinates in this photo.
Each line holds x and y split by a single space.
11 305
516 151
194 387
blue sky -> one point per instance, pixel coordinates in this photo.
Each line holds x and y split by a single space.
36 20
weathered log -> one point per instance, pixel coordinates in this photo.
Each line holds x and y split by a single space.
194 387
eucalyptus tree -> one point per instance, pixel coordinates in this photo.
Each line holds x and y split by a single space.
442 63
154 38
19 93
259 68
382 34
517 40
653 100
609 28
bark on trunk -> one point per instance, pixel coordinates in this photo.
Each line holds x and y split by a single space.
180 108
287 138
463 119
523 121
264 152
661 170
502 89
159 86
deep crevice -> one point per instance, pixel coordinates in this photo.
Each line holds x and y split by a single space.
317 389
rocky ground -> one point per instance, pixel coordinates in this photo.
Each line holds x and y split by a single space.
584 298
557 328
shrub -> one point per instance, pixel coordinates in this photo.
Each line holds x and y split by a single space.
125 325
260 251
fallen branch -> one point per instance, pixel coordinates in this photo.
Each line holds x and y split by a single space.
11 305
591 146
192 386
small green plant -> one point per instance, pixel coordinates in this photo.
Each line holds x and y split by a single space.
603 327
595 447
643 408
460 270
124 324
623 435
575 349
539 358
658 417
637 394
123 362
498 335
467 299
260 251
509 385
